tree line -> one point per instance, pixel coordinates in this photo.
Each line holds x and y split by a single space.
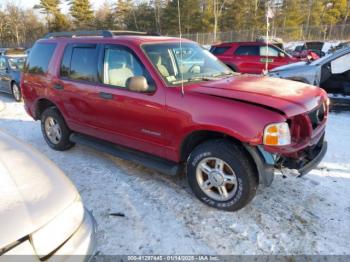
19 26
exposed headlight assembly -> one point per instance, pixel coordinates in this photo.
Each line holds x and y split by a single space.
277 134
58 230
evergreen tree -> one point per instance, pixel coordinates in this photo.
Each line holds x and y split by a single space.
104 17
82 13
125 12
191 17
56 21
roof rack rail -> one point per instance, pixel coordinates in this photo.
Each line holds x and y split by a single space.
103 33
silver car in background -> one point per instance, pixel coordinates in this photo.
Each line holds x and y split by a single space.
41 212
331 72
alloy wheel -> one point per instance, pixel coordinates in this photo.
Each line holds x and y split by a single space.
53 130
216 178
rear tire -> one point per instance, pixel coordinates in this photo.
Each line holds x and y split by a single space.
55 130
16 92
221 175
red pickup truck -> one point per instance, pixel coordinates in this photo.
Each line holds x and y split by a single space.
171 105
251 57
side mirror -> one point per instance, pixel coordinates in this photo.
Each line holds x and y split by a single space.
138 84
281 54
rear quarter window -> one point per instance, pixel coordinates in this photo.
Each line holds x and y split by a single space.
39 58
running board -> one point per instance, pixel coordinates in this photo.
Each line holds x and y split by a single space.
147 160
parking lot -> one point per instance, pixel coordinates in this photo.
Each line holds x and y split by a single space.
141 211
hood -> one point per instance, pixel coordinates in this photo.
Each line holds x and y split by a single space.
290 97
32 190
292 66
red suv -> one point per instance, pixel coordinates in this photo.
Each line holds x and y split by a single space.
171 105
251 57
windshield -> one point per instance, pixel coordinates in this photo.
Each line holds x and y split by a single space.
16 63
186 64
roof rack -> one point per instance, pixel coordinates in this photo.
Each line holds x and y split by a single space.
103 33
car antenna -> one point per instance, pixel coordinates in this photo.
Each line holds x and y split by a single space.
269 14
180 31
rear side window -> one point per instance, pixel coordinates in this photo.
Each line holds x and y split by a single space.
80 63
247 50
39 58
219 49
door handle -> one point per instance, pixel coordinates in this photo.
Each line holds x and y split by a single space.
58 86
106 95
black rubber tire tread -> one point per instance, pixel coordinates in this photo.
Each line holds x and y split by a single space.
238 159
21 97
65 143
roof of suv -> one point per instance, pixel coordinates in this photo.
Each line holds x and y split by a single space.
106 36
242 43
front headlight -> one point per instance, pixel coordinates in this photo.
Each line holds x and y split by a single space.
54 233
277 134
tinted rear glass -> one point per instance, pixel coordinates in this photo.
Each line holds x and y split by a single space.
247 50
219 50
80 63
83 64
39 58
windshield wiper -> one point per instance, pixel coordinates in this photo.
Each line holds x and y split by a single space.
224 74
194 79
201 78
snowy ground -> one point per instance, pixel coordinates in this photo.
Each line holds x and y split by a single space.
309 215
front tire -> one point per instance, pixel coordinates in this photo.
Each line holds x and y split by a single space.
16 92
221 175
55 130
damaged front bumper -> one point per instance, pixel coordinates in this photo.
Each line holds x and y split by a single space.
314 162
307 159
267 163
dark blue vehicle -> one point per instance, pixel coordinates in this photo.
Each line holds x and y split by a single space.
11 66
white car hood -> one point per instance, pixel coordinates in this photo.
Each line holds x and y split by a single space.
32 190
289 66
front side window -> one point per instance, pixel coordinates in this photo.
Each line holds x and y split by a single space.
247 50
184 63
39 58
268 51
119 65
2 63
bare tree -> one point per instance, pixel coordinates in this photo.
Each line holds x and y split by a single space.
218 6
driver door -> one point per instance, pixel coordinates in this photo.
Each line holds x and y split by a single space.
129 118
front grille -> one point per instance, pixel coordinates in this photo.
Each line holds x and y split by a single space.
317 115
